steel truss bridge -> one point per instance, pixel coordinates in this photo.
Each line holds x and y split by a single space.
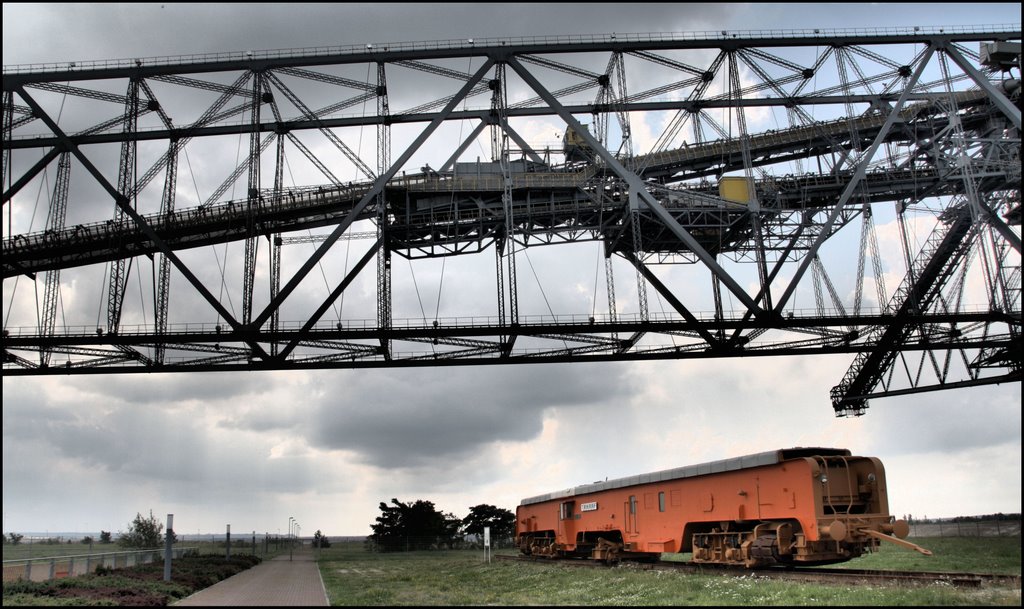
724 173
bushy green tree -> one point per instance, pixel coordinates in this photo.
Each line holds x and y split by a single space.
413 526
144 533
501 521
320 540
105 537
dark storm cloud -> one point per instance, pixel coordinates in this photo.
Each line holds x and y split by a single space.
173 389
147 30
408 418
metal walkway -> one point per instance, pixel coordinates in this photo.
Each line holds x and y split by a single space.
280 581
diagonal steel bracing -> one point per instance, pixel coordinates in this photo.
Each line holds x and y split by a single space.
896 134
123 204
636 186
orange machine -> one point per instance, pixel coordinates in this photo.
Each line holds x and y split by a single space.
797 506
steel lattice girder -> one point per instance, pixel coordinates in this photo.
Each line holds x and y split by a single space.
680 216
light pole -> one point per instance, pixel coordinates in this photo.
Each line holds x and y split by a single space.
290 543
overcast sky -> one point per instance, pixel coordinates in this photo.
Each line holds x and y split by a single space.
325 447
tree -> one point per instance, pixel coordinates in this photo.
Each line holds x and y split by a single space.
105 537
87 539
413 526
320 540
501 521
15 538
144 533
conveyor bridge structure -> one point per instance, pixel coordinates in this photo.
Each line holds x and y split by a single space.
245 211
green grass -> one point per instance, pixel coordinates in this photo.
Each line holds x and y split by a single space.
43 550
998 555
355 577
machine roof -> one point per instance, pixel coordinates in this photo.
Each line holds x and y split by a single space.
713 467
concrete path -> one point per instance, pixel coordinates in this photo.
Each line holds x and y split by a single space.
278 581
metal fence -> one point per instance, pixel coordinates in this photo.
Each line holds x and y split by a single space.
977 528
407 544
55 567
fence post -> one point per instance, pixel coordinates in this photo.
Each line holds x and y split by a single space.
53 567
167 548
228 542
254 543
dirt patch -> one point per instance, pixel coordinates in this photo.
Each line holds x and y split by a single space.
361 571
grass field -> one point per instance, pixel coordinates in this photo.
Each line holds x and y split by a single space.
353 576
949 554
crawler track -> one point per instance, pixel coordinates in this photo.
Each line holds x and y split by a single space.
808 574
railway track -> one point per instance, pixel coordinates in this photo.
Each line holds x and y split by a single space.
808 574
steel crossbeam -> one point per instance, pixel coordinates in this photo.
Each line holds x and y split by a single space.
748 210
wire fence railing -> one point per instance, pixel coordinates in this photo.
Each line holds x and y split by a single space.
417 544
55 567
62 560
966 528
39 559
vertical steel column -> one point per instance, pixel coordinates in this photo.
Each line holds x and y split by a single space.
842 56
618 101
8 119
861 255
603 101
275 256
641 285
55 222
716 291
384 254
253 202
164 266
499 248
609 278
499 138
125 185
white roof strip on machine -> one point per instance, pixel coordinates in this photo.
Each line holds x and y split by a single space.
713 467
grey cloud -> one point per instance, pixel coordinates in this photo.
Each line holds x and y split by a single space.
410 418
175 388
950 421
213 27
143 442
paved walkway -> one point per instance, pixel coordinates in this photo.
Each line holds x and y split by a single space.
278 581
